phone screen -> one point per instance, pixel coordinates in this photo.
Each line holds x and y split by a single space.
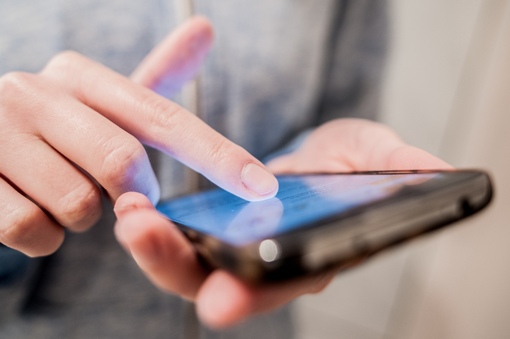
301 200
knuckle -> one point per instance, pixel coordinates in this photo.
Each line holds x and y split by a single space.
17 225
221 150
66 68
15 84
62 61
124 158
81 207
164 114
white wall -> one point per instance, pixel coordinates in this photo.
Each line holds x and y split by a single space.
447 91
459 287
430 43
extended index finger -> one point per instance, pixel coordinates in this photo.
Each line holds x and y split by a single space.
164 125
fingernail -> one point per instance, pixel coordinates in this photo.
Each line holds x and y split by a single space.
131 201
259 180
121 209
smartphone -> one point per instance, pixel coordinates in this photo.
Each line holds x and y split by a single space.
320 221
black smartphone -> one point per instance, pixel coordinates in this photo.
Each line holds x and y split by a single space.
320 221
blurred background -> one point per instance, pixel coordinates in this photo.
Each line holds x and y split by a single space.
447 91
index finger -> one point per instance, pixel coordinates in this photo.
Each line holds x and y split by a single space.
164 125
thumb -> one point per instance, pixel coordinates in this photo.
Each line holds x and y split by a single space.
177 58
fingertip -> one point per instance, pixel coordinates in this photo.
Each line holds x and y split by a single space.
161 250
259 181
131 201
177 58
203 24
222 301
199 33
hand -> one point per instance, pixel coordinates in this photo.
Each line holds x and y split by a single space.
345 145
78 125
222 300
168 259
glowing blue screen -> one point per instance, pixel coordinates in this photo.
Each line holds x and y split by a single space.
301 200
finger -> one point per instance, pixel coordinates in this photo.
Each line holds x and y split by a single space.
308 162
25 227
166 126
409 157
373 145
110 155
177 58
157 246
224 300
397 156
354 145
49 179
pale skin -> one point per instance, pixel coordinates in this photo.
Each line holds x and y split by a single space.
77 126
